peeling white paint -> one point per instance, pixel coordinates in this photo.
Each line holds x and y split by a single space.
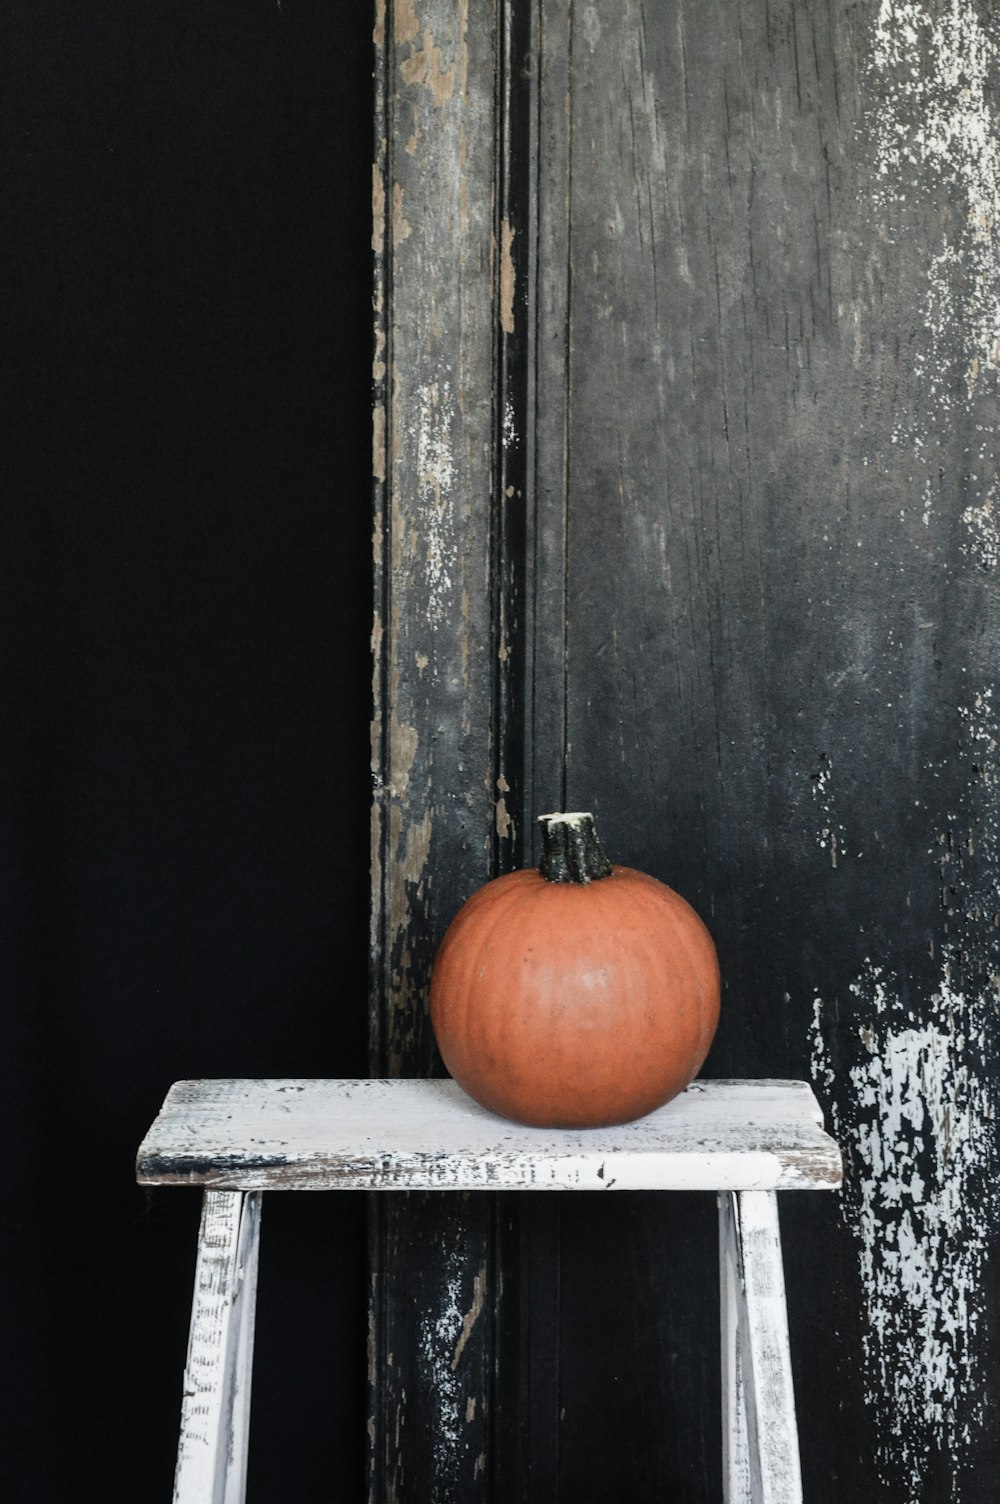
934 76
439 1331
436 472
906 1071
915 1120
509 428
913 1106
937 70
983 524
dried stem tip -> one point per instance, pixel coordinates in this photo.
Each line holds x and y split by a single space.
571 850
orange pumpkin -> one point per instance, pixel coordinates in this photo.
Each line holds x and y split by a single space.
576 994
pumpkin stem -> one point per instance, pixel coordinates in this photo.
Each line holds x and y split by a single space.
571 850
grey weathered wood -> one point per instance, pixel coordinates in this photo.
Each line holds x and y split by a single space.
436 466
215 1413
429 1135
443 647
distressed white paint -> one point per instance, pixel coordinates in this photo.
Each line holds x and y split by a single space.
444 1333
276 1121
983 523
509 425
735 1427
934 72
936 129
432 436
916 1120
909 1081
215 1414
760 1437
429 1135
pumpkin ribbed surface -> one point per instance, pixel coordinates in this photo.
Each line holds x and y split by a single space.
565 1004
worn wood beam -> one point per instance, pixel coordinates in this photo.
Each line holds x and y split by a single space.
448 467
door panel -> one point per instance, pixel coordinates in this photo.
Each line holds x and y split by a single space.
761 302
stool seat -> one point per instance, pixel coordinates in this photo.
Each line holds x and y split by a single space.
744 1140
429 1135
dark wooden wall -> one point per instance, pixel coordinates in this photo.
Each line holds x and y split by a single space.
688 516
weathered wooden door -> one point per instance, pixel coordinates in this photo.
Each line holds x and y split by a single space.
687 363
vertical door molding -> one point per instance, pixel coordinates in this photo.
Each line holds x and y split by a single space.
448 466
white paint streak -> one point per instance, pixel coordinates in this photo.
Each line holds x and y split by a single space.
936 69
903 1063
914 1118
443 1337
509 428
438 1334
436 473
914 1110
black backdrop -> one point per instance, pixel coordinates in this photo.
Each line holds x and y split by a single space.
185 449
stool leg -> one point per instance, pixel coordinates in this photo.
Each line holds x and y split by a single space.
760 1437
735 1441
215 1415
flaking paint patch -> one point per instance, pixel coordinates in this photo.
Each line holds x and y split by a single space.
914 1118
983 524
509 428
444 1335
507 276
406 26
934 74
937 68
378 441
432 437
404 750
914 1107
471 1316
504 823
378 209
425 67
400 224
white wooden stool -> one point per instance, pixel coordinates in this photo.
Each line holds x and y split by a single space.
744 1140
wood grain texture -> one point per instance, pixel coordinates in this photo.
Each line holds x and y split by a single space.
767 389
736 1481
445 744
435 470
429 1135
215 1414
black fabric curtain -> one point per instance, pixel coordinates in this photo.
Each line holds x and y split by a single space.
185 359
